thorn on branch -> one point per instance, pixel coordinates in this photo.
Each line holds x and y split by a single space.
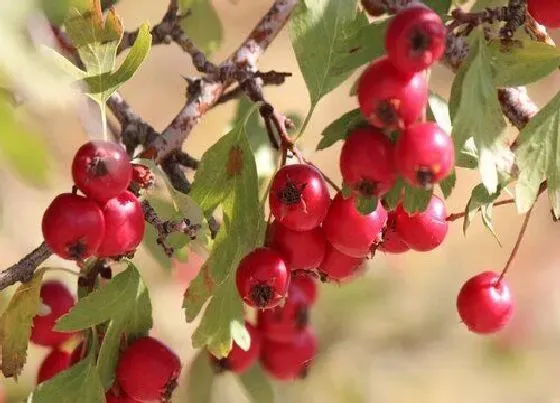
23 270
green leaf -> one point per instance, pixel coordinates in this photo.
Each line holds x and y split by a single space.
201 379
393 197
481 201
448 184
438 111
521 62
468 155
23 151
203 25
538 158
109 352
340 128
439 6
479 114
16 322
366 205
324 34
257 385
416 199
55 10
79 383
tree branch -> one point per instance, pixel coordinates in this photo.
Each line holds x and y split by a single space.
23 270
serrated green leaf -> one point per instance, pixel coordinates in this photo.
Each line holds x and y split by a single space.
366 205
393 197
467 156
538 158
109 352
521 62
479 114
340 128
482 201
416 199
201 379
439 6
199 291
16 322
438 111
240 335
448 184
55 10
324 34
257 385
203 25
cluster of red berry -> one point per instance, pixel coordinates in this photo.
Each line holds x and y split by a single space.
108 221
545 12
147 370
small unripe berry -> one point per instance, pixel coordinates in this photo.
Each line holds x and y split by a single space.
545 12
148 370
239 360
262 278
339 267
485 303
73 226
56 361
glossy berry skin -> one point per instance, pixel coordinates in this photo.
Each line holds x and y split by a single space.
239 360
367 162
101 170
301 250
339 267
283 323
423 231
424 154
484 304
148 370
73 226
415 39
545 12
289 361
56 300
392 241
124 223
351 232
57 361
389 98
262 278
110 397
299 198
307 283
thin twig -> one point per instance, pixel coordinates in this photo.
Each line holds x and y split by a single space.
517 244
458 216
23 270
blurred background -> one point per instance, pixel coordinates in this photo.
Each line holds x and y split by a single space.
390 336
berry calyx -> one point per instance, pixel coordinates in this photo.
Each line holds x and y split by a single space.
56 361
392 240
307 283
148 370
101 170
302 250
545 12
424 154
423 231
239 360
339 267
283 323
349 231
485 303
56 300
262 278
299 198
289 361
415 39
390 98
124 225
73 226
367 162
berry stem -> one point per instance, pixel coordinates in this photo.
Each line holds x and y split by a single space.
327 179
516 246
458 216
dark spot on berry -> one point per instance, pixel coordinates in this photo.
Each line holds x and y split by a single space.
291 194
367 187
261 294
388 112
77 250
425 177
97 167
302 317
170 386
419 41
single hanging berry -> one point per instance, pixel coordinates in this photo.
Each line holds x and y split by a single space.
299 198
339 267
390 98
415 39
545 12
73 226
54 363
262 278
425 154
307 283
101 170
485 303
239 360
392 239
367 162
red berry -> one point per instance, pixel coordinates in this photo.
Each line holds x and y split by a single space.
415 39
101 170
239 360
302 250
288 361
148 370
392 240
57 361
73 226
56 300
545 12
349 231
306 283
485 303
423 231
339 267
111 397
262 278
124 222
390 98
283 323
367 162
299 198
424 154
